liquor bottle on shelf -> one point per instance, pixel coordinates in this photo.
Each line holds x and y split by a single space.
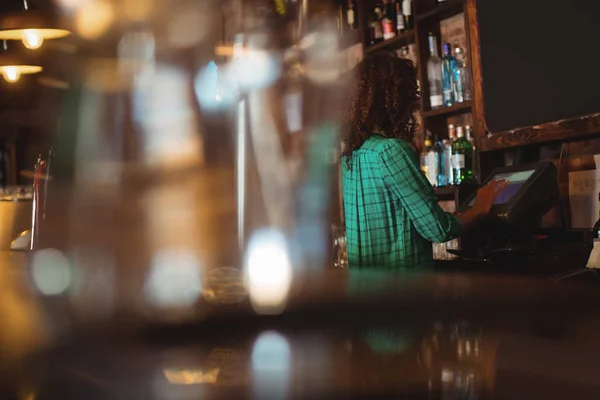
447 156
375 31
438 159
407 12
387 24
432 161
404 52
448 63
424 158
461 56
400 27
459 75
340 20
471 140
434 74
462 158
350 16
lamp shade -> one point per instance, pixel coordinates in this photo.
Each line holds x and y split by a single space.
14 62
32 26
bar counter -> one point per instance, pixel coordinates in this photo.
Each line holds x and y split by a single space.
342 335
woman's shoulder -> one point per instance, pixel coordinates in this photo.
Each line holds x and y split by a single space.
383 145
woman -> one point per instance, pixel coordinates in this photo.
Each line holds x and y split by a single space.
392 213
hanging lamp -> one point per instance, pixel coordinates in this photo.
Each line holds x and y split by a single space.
14 63
30 25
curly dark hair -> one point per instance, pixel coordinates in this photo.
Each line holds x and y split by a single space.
384 101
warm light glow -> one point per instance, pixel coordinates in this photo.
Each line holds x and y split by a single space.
32 39
94 19
43 33
191 376
11 74
268 271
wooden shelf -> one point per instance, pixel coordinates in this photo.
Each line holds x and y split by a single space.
445 190
442 10
396 42
458 108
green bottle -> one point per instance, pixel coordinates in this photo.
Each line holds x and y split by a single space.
462 158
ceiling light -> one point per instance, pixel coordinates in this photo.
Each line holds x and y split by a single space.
13 63
31 26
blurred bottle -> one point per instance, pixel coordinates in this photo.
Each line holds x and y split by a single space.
351 15
462 154
407 12
458 77
471 139
387 22
438 159
461 56
448 159
448 66
400 23
375 29
432 161
424 157
434 74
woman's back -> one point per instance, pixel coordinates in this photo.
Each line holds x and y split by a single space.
391 211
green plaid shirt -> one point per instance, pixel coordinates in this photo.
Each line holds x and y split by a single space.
392 213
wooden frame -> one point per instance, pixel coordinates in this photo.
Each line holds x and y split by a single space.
565 129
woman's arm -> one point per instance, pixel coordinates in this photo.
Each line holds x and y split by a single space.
484 200
403 176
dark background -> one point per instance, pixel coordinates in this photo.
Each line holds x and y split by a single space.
539 60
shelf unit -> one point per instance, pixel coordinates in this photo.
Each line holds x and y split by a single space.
454 109
395 43
427 16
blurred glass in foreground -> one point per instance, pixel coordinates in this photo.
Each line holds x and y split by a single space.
195 159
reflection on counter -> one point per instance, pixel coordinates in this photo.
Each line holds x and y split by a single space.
449 361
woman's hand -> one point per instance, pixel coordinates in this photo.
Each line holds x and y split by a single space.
484 200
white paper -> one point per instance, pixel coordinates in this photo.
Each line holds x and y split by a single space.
583 198
597 161
594 260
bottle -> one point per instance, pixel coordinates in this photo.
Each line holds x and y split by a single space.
466 83
459 76
434 74
471 140
400 27
424 159
448 164
432 162
350 17
375 31
438 159
387 24
596 228
407 12
340 20
448 63
462 158
404 52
